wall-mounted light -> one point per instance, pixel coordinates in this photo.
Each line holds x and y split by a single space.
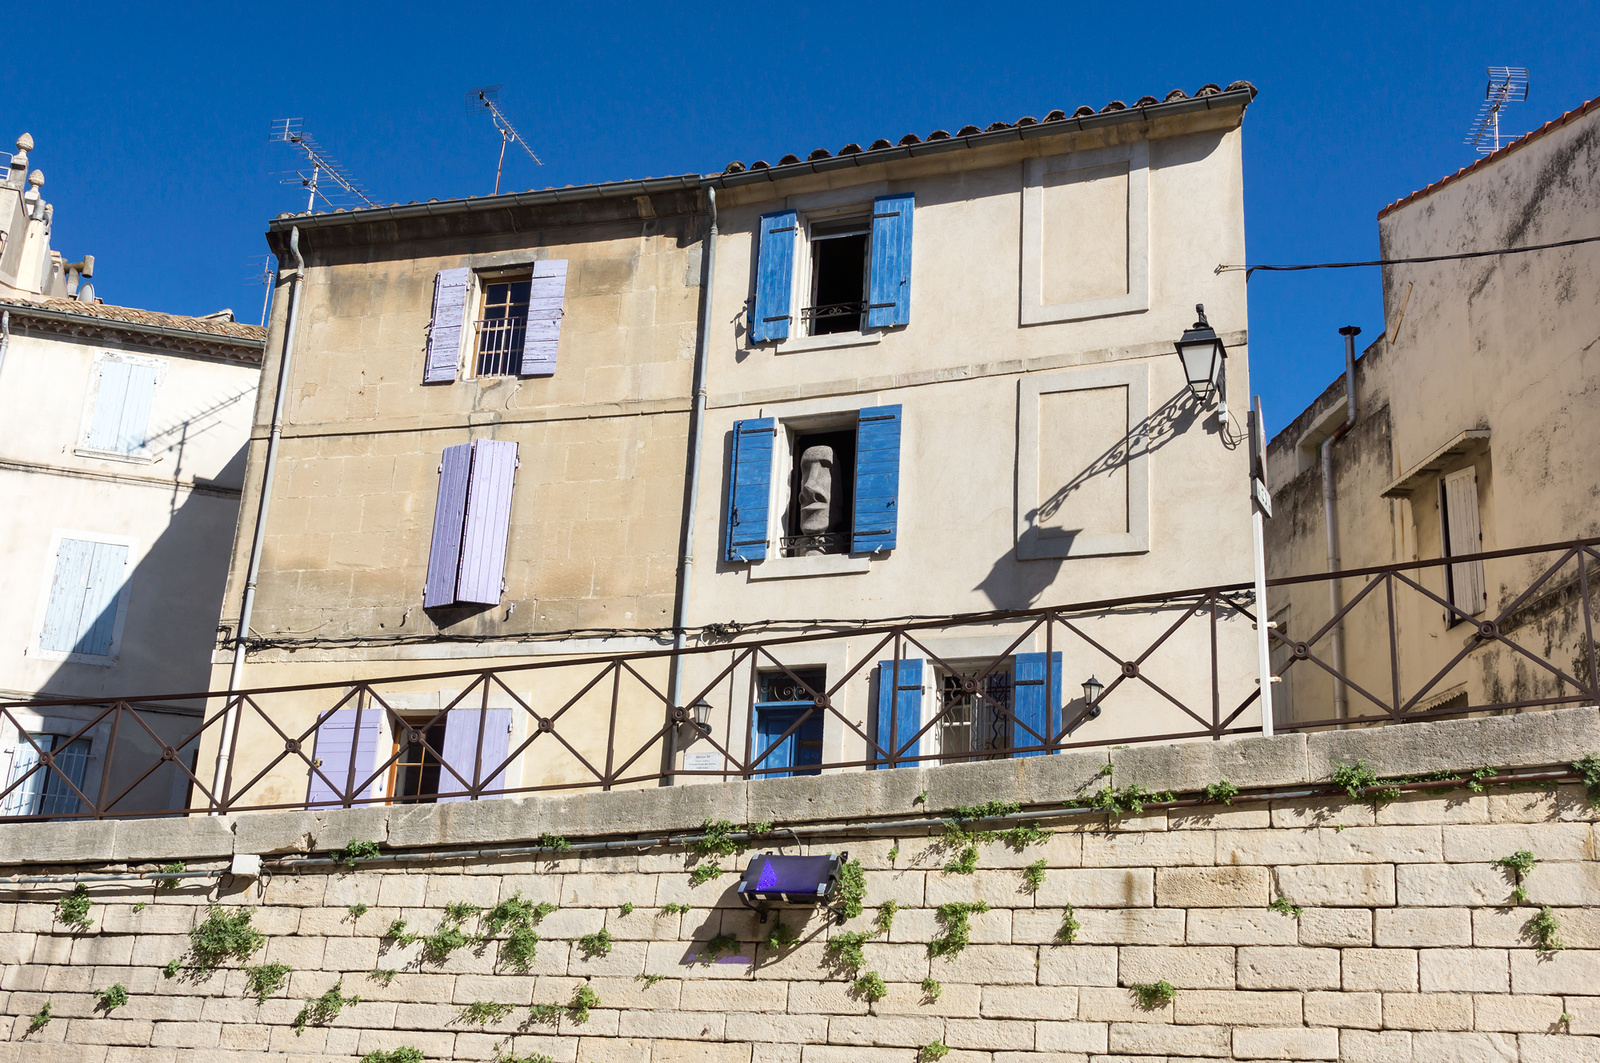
702 715
790 879
1203 355
1092 689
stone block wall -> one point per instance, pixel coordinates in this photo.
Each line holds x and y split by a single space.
1397 939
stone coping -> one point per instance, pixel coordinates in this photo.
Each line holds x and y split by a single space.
1528 740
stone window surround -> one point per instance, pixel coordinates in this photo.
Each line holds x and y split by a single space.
92 397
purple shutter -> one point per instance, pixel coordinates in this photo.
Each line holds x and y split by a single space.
347 755
449 517
545 298
461 750
488 520
444 331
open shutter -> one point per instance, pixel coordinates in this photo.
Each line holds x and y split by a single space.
750 489
449 520
24 799
488 520
121 407
461 750
444 331
84 594
347 748
133 428
774 277
877 509
1036 700
899 711
889 291
546 296
1465 537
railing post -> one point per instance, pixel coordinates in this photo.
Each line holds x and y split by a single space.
611 732
1588 624
111 752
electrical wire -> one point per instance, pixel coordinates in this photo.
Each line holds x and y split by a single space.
1282 268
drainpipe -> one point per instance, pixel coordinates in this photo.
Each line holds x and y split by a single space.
696 436
1329 515
5 337
253 570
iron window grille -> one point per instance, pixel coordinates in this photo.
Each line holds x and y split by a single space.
976 714
503 329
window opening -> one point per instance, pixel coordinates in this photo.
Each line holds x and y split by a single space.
503 327
976 713
781 703
414 778
821 488
838 275
46 793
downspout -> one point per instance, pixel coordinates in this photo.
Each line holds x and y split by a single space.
253 570
697 413
1330 517
5 337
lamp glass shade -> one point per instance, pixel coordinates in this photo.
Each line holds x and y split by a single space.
1091 690
702 713
1202 354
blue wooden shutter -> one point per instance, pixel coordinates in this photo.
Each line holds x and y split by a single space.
750 489
444 330
461 749
546 296
343 750
122 407
487 522
449 520
1036 700
24 799
889 298
899 708
134 429
102 595
877 504
84 595
774 277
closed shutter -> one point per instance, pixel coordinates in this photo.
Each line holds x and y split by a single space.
461 750
121 421
23 798
85 593
449 521
444 330
1464 536
899 712
889 291
774 277
876 520
546 299
347 754
487 523
750 489
1036 701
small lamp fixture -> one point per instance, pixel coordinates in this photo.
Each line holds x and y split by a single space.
702 715
1092 689
1202 354
790 879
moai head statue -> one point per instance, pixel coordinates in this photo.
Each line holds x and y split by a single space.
820 496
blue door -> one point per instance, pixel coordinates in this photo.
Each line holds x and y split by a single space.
783 702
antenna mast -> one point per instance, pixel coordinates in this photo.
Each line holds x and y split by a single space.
322 167
1507 84
488 96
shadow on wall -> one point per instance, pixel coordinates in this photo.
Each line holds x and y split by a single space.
171 601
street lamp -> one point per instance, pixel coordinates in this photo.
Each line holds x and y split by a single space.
1203 356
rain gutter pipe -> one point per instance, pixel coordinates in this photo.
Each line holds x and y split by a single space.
230 716
1329 515
5 337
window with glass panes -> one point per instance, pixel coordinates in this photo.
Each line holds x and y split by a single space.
503 326
976 704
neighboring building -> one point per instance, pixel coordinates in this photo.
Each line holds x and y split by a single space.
121 467
942 380
1474 431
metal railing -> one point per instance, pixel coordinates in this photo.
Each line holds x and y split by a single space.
499 345
1180 666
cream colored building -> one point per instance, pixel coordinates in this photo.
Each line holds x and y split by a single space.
1474 432
121 469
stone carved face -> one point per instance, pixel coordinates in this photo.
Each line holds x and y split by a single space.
819 493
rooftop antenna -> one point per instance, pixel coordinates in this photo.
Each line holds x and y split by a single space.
489 96
1507 84
322 167
264 275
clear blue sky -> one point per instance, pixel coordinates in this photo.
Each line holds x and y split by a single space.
152 122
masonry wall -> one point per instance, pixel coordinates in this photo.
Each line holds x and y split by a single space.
1408 946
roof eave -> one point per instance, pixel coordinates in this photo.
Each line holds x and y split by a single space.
120 325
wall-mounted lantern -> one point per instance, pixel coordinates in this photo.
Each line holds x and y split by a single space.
1092 689
1203 355
702 715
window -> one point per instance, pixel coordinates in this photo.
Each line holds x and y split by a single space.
471 520
977 711
516 332
45 792
1461 533
124 391
503 326
821 479
86 595
415 775
1013 709
788 724
838 288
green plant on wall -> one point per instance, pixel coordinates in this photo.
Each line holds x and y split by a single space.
397 934
503 1055
1033 876
843 952
357 911
177 867
483 1012
1223 791
324 1009
883 922
626 908
931 990
718 947
223 937
1544 931
782 936
932 1052
956 917
356 851
266 979
437 947
554 842
1068 931
1284 906
596 944
852 896
870 987
650 980
674 909
40 1019
382 975
1589 768
111 998
73 909
403 1054
704 873
583 999
1361 783
1518 865
1153 995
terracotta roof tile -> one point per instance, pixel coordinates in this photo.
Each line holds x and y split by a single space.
231 329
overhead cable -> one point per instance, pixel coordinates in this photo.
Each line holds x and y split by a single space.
1291 268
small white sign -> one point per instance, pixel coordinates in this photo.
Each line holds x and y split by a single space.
702 760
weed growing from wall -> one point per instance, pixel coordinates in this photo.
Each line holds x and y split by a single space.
894 853
398 934
1223 791
483 1012
674 909
110 998
782 936
266 979
931 1052
1033 876
171 968
987 810
1589 768
718 947
1020 837
460 912
650 980
704 873
73 909
596 944
501 1055
222 937
870 987
357 911
1361 783
403 1054
177 867
40 1019
931 990
554 842
956 917
852 889
1284 906
437 947
1068 931
843 953
1544 931
582 1001
626 908
324 1009
884 920
382 975
1517 866
356 851
1153 995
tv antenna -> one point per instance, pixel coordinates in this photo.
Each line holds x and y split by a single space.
321 168
1507 84
264 275
489 96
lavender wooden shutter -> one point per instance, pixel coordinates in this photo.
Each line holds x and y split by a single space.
461 750
876 520
488 520
449 520
444 331
889 298
546 296
348 751
774 277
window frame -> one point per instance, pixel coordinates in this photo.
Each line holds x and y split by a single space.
775 565
477 298
806 268
35 647
31 722
144 455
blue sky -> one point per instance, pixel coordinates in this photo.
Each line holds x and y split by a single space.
151 123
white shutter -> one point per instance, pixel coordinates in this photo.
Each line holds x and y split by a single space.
1464 535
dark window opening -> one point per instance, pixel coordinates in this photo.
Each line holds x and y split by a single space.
822 479
838 276
503 327
415 775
